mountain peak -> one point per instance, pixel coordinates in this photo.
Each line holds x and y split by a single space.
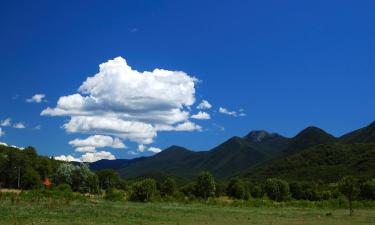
259 135
307 138
173 150
312 131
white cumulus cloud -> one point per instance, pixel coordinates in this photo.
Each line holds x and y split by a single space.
95 156
201 116
6 123
19 125
143 148
186 126
86 149
126 103
96 141
2 133
204 105
154 149
37 98
67 158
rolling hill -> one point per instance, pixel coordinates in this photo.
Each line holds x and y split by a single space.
228 158
307 138
363 135
311 154
328 162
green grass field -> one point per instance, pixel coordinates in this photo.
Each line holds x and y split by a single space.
105 212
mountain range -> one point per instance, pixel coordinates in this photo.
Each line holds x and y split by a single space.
261 154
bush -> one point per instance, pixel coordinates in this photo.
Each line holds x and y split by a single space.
64 173
277 189
112 194
205 186
63 188
188 189
31 180
296 190
367 190
143 191
107 178
348 186
236 189
168 188
256 191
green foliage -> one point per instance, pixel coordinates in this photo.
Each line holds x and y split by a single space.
188 189
107 178
277 189
296 190
31 179
236 189
113 194
348 186
328 163
15 163
78 177
367 190
83 180
205 185
256 191
64 174
143 191
221 188
63 188
169 187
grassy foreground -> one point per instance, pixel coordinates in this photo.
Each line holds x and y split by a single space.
105 212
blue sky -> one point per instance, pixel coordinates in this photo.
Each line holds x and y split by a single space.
286 64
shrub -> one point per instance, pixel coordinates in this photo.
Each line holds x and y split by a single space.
108 178
367 190
112 194
143 191
256 191
236 189
168 188
205 186
348 186
31 179
188 189
277 189
64 173
296 190
63 188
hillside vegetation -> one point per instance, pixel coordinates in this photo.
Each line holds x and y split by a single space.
311 154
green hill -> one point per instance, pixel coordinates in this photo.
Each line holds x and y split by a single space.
363 135
228 158
307 138
311 154
328 162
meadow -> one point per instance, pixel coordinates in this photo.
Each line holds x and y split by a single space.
16 210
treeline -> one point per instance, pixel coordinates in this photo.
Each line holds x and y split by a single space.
24 169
